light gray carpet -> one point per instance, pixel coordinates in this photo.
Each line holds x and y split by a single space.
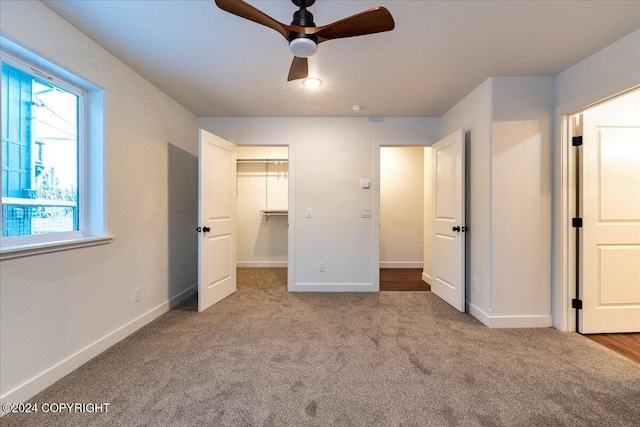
266 357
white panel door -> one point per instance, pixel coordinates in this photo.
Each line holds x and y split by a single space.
217 224
447 279
610 209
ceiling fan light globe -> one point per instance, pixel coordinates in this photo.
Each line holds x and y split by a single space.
312 82
303 47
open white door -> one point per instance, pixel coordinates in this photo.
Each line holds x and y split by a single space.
610 211
448 228
217 224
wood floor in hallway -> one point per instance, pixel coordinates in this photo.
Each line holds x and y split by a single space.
402 279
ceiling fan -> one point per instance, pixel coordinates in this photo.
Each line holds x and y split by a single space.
304 36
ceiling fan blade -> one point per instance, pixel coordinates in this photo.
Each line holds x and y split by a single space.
299 69
245 10
370 21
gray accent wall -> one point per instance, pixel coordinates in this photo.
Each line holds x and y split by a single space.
183 218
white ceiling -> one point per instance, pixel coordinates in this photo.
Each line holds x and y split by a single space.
216 64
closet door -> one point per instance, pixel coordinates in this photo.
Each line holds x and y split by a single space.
217 220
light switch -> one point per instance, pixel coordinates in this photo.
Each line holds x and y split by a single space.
309 213
365 184
366 213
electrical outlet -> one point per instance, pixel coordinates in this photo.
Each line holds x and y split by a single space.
323 267
137 294
366 213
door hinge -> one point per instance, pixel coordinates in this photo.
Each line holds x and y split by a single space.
576 303
576 222
576 141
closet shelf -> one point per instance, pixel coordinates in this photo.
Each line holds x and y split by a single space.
276 212
262 160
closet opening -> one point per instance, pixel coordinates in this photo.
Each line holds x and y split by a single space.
262 207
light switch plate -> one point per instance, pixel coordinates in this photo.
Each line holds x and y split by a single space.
365 184
309 213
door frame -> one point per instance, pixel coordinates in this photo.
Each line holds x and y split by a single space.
289 143
375 214
564 246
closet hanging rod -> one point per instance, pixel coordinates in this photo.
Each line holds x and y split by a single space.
273 212
261 160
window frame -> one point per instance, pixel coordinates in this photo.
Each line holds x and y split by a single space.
91 208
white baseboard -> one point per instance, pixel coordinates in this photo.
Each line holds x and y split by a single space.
333 287
426 277
477 313
401 264
529 321
261 264
43 380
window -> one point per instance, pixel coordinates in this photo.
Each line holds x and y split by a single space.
45 191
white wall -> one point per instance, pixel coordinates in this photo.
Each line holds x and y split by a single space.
329 156
60 309
521 201
401 207
474 114
508 199
261 240
602 75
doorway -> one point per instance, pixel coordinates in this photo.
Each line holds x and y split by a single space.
402 218
262 206
605 205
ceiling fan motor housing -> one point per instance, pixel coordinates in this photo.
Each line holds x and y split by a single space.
300 44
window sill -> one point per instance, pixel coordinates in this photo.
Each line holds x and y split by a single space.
19 251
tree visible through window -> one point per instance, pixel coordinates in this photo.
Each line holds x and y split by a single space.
40 154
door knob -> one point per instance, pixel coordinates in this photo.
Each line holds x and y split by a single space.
456 228
205 229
